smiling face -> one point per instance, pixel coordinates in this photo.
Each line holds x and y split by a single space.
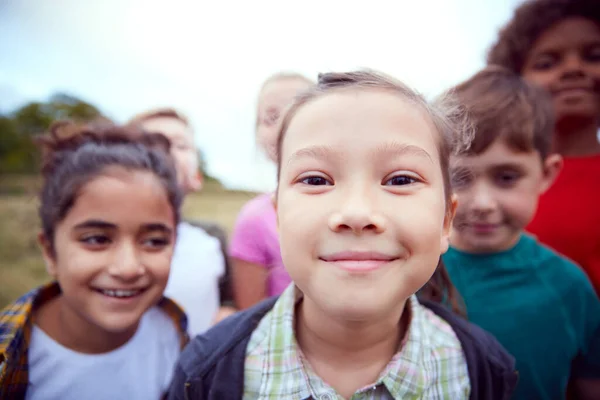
112 251
566 61
497 192
360 203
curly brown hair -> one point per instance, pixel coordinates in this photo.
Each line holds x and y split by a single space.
529 21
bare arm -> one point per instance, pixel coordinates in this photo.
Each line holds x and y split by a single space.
249 283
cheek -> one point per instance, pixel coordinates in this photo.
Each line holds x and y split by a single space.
521 204
159 265
542 79
76 266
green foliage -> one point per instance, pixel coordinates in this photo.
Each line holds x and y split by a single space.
18 154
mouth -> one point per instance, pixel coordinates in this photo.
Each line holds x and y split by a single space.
484 227
359 261
120 293
574 90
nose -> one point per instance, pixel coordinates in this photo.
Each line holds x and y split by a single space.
126 264
357 214
482 199
572 66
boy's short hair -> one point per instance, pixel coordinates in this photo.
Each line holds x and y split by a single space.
501 104
529 21
165 112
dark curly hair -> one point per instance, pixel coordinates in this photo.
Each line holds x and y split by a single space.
73 154
529 21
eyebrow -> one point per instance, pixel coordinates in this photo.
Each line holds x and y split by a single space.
157 227
95 223
551 48
396 149
316 152
98 224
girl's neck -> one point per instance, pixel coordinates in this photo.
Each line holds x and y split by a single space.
349 355
71 330
576 137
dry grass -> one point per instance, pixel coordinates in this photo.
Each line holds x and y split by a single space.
21 266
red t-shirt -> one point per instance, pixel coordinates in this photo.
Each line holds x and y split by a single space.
568 216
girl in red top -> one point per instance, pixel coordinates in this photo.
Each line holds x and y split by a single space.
556 44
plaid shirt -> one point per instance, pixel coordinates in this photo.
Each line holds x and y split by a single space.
15 333
429 365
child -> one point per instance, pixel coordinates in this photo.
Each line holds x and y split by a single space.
258 269
199 279
538 304
556 44
364 213
108 207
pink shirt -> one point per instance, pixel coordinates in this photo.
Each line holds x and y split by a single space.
255 240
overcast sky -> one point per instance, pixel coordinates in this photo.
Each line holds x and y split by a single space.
208 58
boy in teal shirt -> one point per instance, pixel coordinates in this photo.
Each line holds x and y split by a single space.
539 305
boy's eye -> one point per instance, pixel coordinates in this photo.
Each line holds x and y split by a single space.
507 178
545 61
95 240
400 180
592 53
316 181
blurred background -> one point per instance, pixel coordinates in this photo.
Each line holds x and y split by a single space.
85 59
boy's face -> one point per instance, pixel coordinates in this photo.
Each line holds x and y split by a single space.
113 251
360 203
183 149
497 193
273 100
566 61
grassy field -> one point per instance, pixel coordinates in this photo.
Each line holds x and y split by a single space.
21 267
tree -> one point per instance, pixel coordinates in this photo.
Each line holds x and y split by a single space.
18 153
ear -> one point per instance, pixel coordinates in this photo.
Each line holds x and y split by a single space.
197 182
448 219
551 168
47 254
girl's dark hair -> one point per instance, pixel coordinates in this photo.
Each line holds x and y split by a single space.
440 289
449 119
529 21
74 154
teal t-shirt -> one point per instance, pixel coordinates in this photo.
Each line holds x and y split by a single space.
540 306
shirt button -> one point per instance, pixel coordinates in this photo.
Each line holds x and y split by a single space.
326 396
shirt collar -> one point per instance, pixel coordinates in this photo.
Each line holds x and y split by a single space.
402 376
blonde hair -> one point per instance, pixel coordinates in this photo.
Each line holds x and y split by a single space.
163 112
279 76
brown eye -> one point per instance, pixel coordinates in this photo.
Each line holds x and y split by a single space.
315 181
400 180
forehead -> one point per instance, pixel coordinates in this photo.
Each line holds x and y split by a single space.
497 154
280 92
173 128
123 197
570 32
358 119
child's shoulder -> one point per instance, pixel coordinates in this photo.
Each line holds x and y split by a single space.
169 311
557 265
14 316
224 342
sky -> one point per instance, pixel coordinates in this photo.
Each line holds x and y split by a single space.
209 58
